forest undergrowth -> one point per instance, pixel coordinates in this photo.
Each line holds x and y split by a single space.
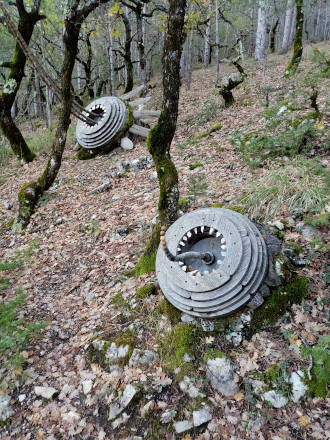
266 156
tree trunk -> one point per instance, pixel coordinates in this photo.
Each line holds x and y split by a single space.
189 59
217 42
261 32
112 90
207 46
298 44
26 23
31 192
140 45
160 137
273 36
287 27
127 54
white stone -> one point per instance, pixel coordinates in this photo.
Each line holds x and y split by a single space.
201 416
182 426
147 407
45 392
299 389
168 415
278 224
21 398
188 387
71 417
122 401
120 420
275 399
114 353
6 410
235 338
220 372
187 357
87 386
142 357
126 143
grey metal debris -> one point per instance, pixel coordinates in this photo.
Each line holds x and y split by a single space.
231 281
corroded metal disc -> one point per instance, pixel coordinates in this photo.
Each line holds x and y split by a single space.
110 115
231 281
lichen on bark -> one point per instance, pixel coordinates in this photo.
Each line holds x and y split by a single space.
298 43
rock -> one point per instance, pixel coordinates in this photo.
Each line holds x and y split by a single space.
278 224
188 319
182 426
87 385
187 357
236 180
210 193
113 353
45 392
147 407
142 357
220 372
21 398
122 231
122 401
201 416
257 385
299 389
188 387
275 399
120 420
126 143
71 417
6 410
153 175
9 205
235 338
207 325
309 232
168 415
256 301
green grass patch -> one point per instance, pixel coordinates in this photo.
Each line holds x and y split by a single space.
20 258
145 291
195 165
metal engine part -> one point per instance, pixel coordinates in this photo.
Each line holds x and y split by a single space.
110 115
237 270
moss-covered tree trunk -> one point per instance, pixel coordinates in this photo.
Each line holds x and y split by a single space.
273 36
160 137
30 193
26 23
298 43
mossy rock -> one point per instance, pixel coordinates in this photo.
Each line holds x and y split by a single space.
193 166
181 339
145 291
145 264
111 350
213 353
295 246
276 305
167 309
184 203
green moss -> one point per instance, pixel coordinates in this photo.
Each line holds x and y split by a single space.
195 165
278 303
10 223
202 135
295 247
145 264
173 314
217 205
313 116
118 300
319 221
271 374
237 208
145 291
84 154
320 373
216 127
181 339
123 339
213 353
184 203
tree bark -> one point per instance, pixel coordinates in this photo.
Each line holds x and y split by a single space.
217 42
272 36
127 54
207 46
261 32
160 137
298 44
26 23
31 192
287 26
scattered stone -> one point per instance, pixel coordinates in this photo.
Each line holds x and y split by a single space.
299 389
235 338
168 415
256 301
71 417
188 387
210 193
126 143
142 357
236 181
188 319
120 420
257 385
207 325
101 188
21 398
9 205
87 385
278 224
276 399
122 401
147 407
45 392
6 410
182 426
188 358
113 353
202 416
220 372
122 232
309 232
153 175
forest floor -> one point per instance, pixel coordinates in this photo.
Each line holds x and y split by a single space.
75 282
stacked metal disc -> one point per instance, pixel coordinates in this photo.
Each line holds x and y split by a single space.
109 116
234 277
